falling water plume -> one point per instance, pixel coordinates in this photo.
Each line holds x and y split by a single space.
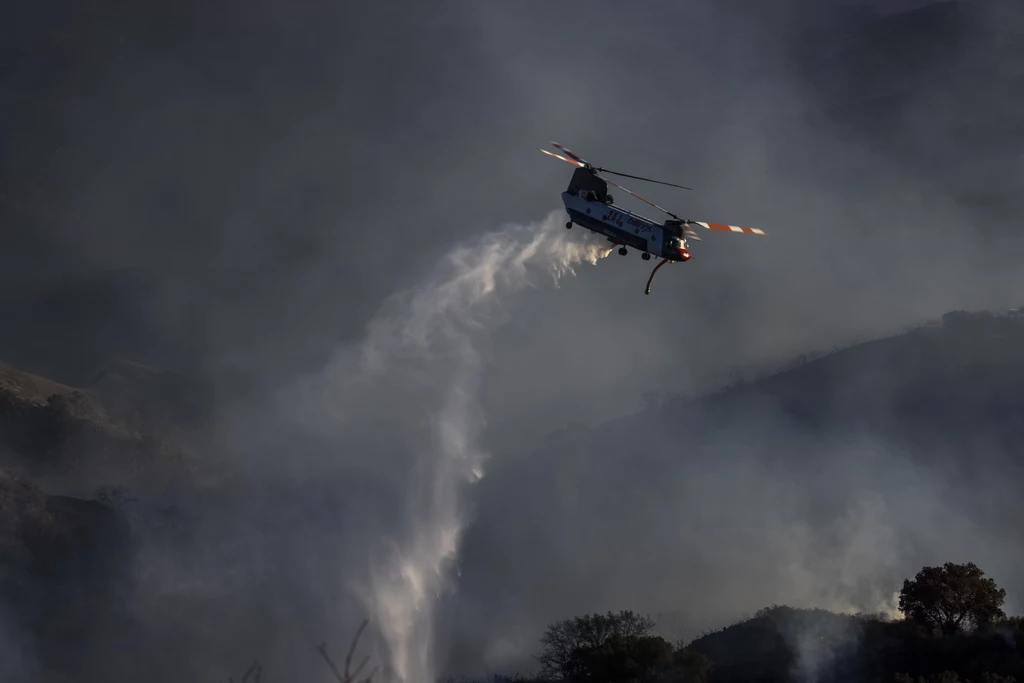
411 390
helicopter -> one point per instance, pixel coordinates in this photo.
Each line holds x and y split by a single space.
588 204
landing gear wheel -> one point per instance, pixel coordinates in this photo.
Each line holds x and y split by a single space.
622 250
645 256
568 225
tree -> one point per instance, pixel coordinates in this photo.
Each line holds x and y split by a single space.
688 667
622 659
951 598
568 645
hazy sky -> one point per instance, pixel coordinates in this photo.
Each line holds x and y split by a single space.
235 188
243 188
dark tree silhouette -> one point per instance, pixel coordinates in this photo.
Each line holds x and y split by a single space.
951 598
622 659
690 667
568 645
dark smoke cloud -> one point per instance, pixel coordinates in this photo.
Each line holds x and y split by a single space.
233 189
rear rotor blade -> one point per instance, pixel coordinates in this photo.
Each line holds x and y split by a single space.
727 228
559 156
636 177
647 201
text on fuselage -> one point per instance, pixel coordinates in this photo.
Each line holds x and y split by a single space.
619 219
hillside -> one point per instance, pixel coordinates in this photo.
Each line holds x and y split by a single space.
958 381
662 485
122 430
113 450
65 567
818 486
782 644
948 388
785 644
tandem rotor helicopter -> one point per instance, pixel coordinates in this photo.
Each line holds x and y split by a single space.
588 204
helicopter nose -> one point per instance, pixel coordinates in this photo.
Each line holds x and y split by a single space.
684 253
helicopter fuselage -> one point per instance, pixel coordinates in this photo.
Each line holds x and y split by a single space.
588 204
624 227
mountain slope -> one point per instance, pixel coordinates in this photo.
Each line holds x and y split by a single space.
821 486
961 379
119 431
785 644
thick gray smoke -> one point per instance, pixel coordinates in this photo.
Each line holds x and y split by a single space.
420 364
219 183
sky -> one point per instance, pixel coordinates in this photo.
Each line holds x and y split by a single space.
235 191
238 191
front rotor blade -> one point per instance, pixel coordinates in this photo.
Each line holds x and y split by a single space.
728 228
559 156
647 201
569 153
636 177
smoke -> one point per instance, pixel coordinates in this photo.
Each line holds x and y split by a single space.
825 649
420 365
18 661
211 140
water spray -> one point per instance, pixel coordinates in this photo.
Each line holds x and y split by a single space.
424 350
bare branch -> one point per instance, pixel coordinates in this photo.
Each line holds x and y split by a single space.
352 650
330 663
349 676
249 671
360 667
